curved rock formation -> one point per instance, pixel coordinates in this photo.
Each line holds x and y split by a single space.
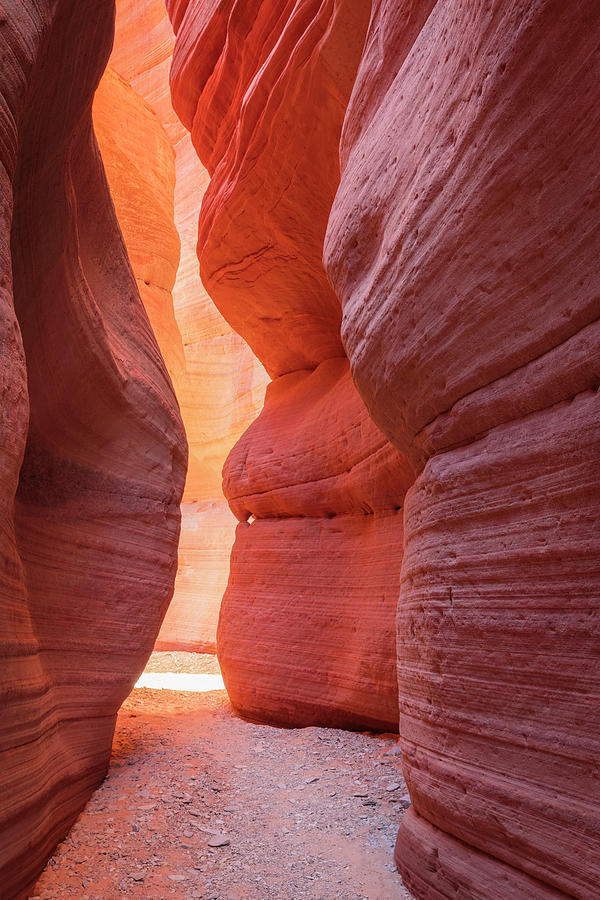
140 166
463 244
221 387
269 85
498 630
93 453
306 633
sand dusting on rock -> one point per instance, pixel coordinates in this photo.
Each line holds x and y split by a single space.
201 804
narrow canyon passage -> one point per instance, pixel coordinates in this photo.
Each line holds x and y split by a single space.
301 813
299 330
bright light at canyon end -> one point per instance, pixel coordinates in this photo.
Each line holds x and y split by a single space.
180 681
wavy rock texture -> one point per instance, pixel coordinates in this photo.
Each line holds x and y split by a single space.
221 387
263 88
93 453
463 244
499 672
140 166
306 632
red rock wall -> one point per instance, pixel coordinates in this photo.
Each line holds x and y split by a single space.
306 632
221 387
93 453
261 261
463 244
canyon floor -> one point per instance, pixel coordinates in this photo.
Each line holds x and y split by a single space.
296 813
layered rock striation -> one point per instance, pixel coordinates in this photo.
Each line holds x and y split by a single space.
93 455
463 245
140 166
219 384
306 632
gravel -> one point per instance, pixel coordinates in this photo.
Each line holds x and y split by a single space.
201 805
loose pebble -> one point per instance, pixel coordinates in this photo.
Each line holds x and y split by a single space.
219 840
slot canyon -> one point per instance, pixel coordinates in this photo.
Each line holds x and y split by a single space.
300 321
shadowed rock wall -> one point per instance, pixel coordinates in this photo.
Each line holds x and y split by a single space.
306 633
463 244
92 456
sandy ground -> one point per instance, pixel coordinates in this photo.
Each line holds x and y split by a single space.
297 814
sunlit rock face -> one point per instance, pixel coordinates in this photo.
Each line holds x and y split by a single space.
463 245
92 458
221 386
307 626
140 166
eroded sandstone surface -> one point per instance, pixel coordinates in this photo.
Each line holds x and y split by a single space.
93 455
401 221
306 632
220 384
463 245
307 624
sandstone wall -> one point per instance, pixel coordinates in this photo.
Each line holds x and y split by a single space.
221 387
140 166
306 632
92 456
463 244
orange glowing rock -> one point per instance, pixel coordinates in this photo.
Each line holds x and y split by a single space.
140 167
219 382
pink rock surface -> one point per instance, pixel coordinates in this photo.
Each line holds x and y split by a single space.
461 260
460 185
463 245
498 649
222 386
443 867
306 627
306 632
337 462
268 82
93 454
